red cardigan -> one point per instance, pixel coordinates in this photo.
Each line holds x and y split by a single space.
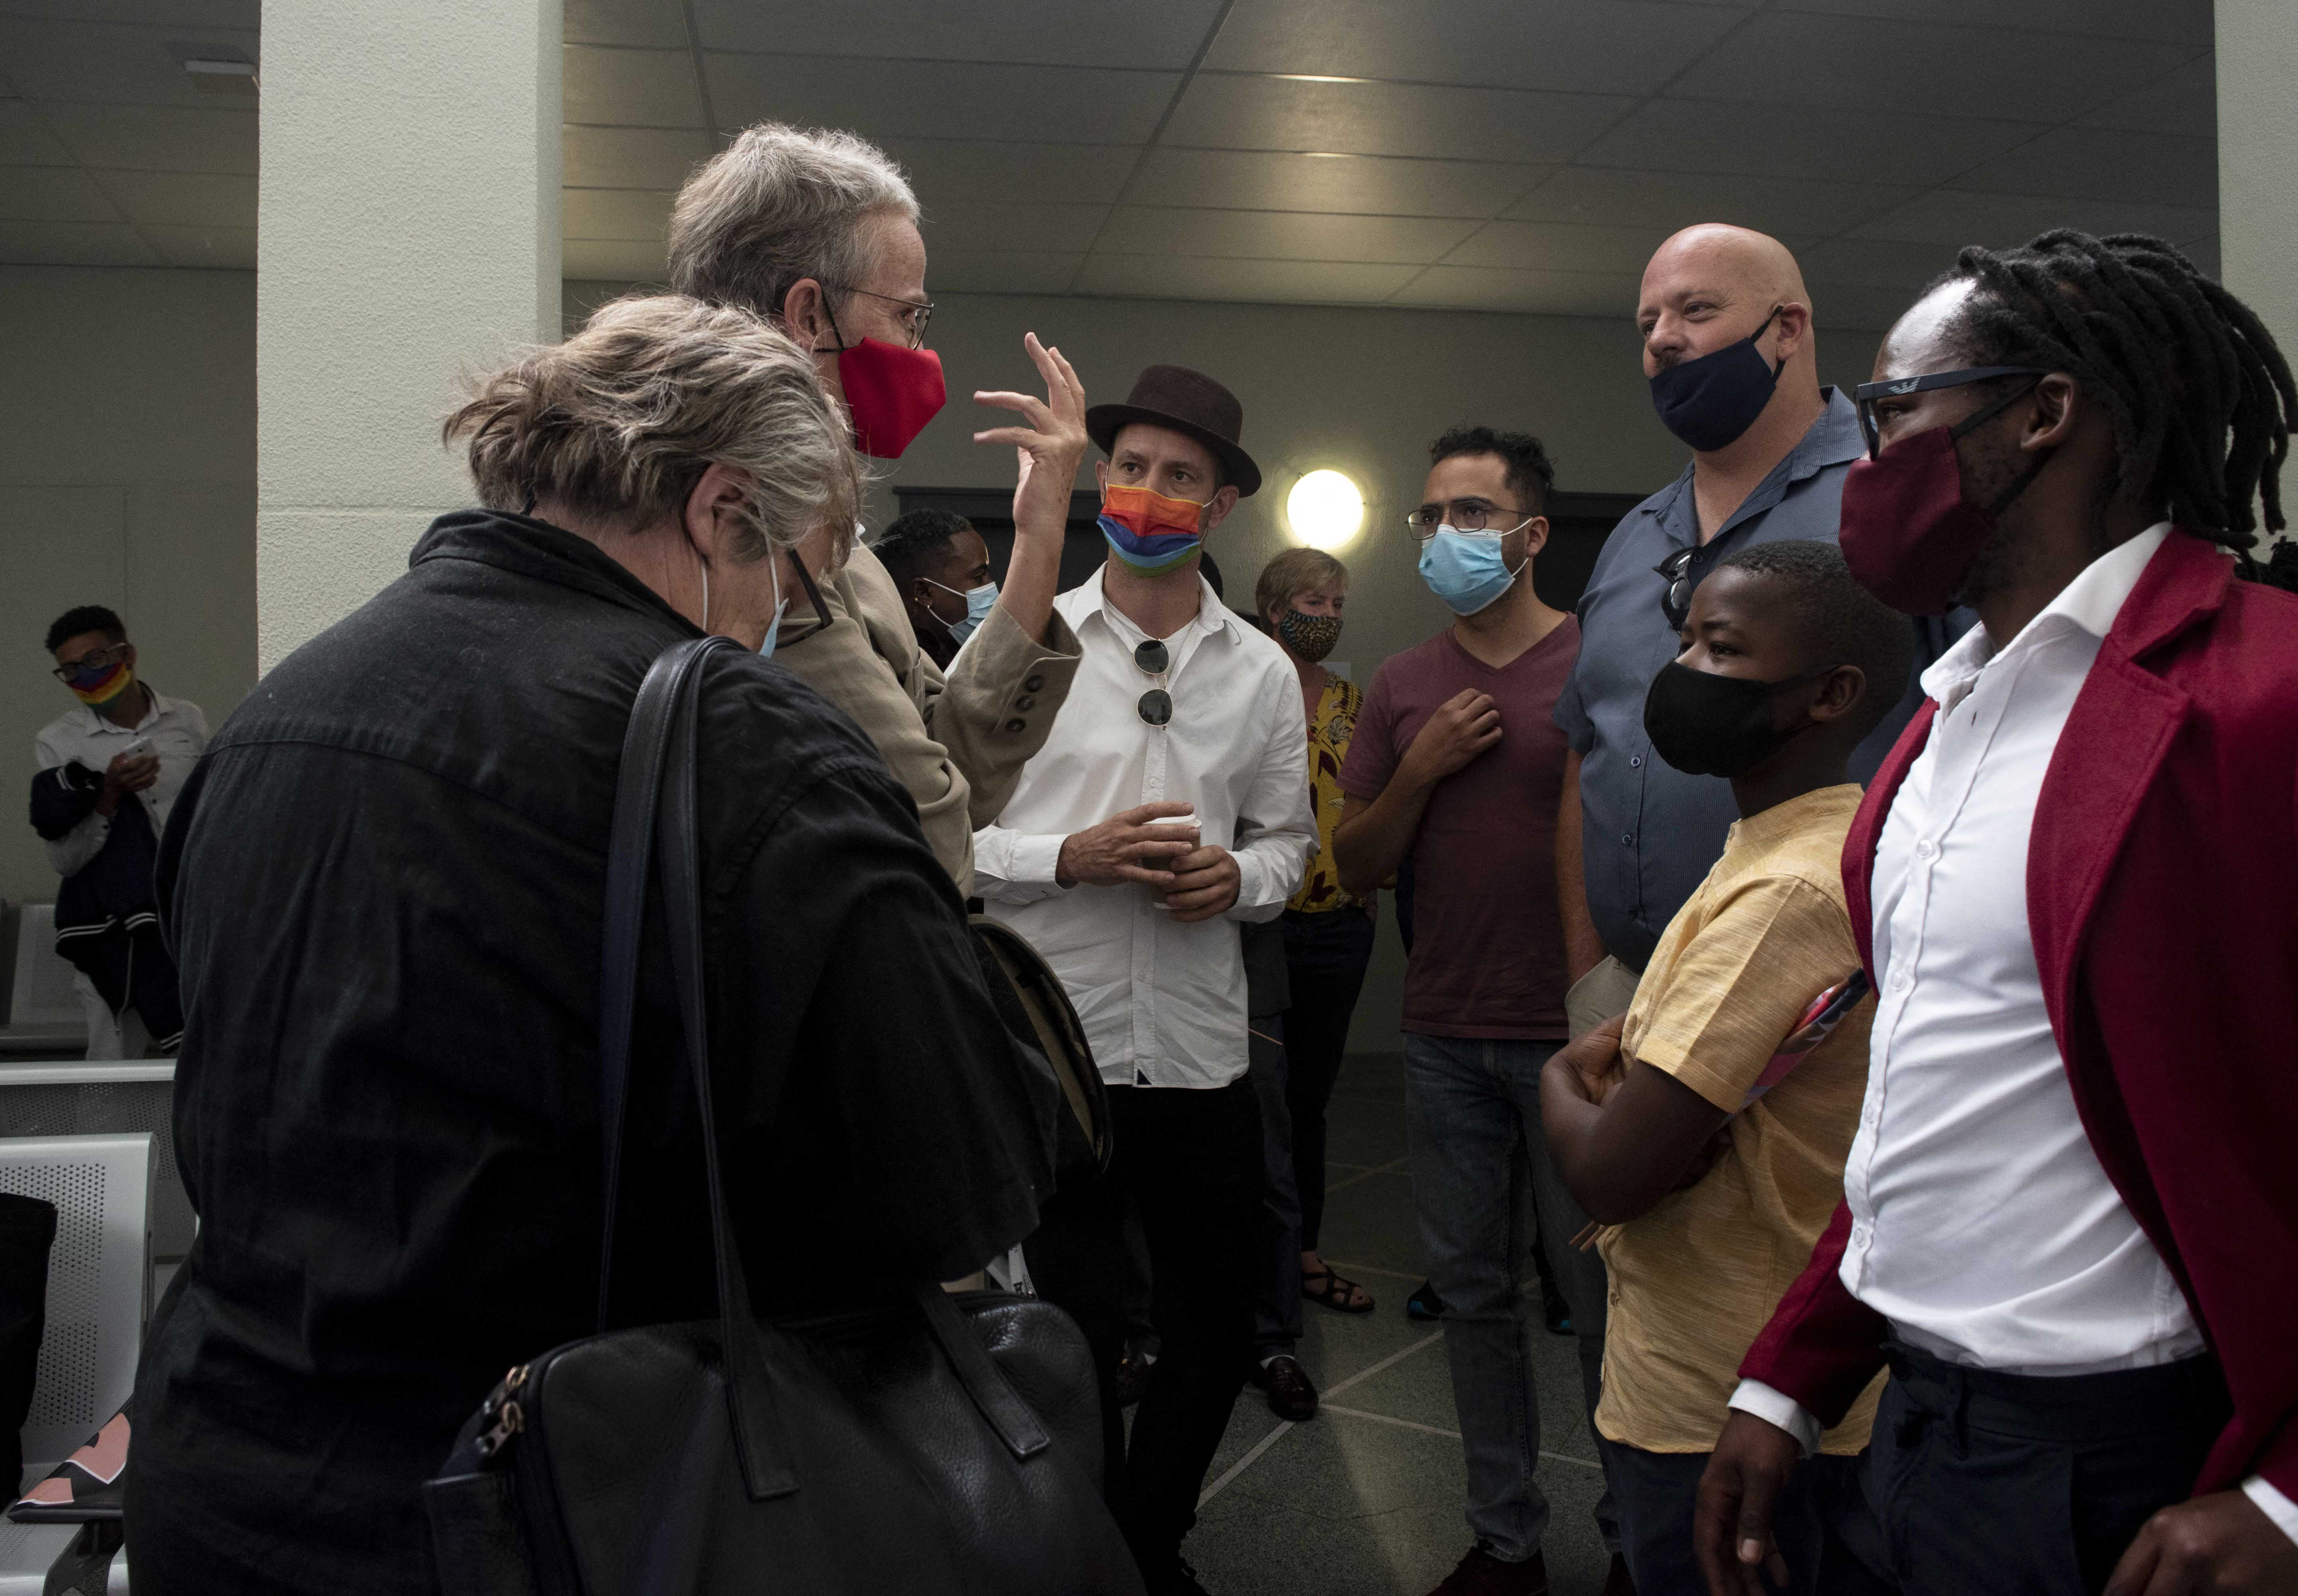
2163 892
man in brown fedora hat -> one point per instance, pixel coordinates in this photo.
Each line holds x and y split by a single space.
1170 798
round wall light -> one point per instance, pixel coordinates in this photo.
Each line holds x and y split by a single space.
1326 510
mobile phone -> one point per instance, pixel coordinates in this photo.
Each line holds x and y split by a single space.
137 749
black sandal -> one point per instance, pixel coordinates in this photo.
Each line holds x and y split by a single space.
1336 1294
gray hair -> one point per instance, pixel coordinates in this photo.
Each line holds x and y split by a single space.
620 422
778 205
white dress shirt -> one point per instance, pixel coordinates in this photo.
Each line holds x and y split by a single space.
1163 1004
1983 1224
179 734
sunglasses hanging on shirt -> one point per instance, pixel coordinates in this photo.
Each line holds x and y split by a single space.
1155 707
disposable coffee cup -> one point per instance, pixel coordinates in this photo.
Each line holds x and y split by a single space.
1183 827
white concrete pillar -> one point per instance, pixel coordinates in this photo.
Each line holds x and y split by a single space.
2257 166
408 228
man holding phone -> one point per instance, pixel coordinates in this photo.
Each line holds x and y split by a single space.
109 772
1170 798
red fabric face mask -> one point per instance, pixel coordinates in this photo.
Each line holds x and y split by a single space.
1907 533
891 392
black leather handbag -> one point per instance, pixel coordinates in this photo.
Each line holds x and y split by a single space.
935 1444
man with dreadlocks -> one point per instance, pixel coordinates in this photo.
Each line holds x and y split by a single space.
2071 1217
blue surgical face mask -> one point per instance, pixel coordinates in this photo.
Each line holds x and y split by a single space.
1711 400
978 602
1466 569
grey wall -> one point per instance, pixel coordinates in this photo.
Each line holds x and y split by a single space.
126 478
1363 391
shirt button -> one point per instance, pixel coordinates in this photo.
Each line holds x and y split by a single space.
1635 761
1025 703
1033 684
1627 838
1899 981
1925 849
1017 724
1859 1234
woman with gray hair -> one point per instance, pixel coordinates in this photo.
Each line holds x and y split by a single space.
385 886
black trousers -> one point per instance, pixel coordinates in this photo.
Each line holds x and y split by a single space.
1997 1482
1325 959
1191 1161
1822 1524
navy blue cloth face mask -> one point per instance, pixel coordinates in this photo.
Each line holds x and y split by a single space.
1710 400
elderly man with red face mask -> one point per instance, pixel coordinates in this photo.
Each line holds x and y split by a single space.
818 233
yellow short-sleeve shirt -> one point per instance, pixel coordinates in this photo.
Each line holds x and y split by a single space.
1695 1279
1337 708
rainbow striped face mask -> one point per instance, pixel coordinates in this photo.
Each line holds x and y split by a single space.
98 687
1152 535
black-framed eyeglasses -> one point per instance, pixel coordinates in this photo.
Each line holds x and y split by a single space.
1463 515
1865 394
92 662
1156 706
1675 598
920 311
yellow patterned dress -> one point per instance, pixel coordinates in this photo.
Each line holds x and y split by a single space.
1328 744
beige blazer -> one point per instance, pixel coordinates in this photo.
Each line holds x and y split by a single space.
957 743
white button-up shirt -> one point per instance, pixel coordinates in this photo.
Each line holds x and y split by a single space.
1163 1004
1983 1224
178 735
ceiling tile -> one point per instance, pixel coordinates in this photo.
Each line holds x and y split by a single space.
946 170
1388 119
1000 271
1031 226
73 244
183 199
630 88
1863 63
1362 184
1873 263
107 63
1279 282
1601 47
2105 163
1106 33
2180 22
214 248
25 139
1957 216
1546 293
2186 101
157 138
52 194
1281 236
923 99
1559 246
621 213
1794 141
613 260
172 13
632 157
1670 201
642 24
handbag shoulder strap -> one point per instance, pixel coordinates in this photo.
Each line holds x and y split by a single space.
655 815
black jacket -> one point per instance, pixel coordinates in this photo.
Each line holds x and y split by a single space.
385 886
107 923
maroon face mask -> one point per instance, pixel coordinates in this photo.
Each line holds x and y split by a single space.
891 392
1908 535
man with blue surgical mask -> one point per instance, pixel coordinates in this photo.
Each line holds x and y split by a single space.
1726 326
1455 769
941 566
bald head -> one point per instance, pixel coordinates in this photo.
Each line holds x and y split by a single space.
1757 264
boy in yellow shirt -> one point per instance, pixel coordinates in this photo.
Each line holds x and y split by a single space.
1706 1132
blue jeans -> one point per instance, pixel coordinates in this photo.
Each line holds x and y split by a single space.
1480 1171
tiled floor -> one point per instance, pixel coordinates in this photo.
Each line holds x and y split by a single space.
1365 1498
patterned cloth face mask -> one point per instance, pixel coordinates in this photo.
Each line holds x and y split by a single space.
1312 637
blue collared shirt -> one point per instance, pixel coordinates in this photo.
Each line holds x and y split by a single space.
1649 833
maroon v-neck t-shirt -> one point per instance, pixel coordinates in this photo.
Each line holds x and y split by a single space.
1487 948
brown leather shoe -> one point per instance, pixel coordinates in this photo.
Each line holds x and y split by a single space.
1617 1582
1292 1396
1481 1574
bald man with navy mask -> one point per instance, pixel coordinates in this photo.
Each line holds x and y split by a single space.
1728 348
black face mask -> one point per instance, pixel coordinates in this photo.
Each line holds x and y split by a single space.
1711 400
1709 725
